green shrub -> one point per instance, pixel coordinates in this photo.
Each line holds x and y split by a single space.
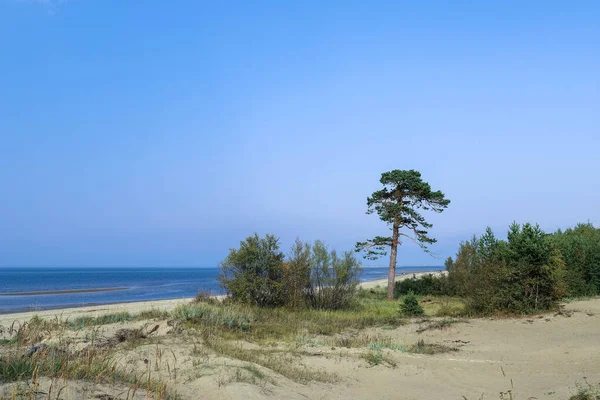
312 276
410 306
297 274
426 285
333 280
521 275
254 273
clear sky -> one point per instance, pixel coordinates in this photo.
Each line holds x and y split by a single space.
164 132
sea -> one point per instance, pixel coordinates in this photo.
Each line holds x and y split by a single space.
39 288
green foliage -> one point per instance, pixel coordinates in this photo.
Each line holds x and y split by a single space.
15 369
253 273
404 193
85 321
580 249
521 275
297 274
333 279
215 315
399 205
586 392
424 285
312 276
410 306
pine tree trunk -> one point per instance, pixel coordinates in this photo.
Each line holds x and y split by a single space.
393 252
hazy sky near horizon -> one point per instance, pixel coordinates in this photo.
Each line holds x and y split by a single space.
164 134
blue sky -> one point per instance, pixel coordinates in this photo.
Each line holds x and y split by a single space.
164 134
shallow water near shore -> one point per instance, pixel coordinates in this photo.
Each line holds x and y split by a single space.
42 288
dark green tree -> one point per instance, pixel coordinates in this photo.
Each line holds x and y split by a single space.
410 306
398 204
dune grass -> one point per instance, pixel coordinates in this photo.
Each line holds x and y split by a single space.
57 363
223 327
114 318
236 321
87 321
586 391
285 363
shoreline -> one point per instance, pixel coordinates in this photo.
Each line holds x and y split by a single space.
136 307
67 291
383 282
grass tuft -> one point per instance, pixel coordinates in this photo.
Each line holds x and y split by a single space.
440 324
429 348
280 362
87 321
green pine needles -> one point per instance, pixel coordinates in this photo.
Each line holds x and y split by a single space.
399 205
410 306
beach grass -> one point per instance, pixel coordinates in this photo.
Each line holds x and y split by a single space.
57 363
277 337
236 321
87 321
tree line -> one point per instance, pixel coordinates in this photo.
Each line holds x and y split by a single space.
530 271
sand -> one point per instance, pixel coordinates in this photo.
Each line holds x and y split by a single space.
539 357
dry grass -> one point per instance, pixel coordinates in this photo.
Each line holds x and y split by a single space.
285 363
59 364
439 324
217 329
586 391
429 348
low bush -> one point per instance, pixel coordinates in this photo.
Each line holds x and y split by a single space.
423 286
410 306
253 274
333 280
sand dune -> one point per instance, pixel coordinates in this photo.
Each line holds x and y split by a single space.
536 357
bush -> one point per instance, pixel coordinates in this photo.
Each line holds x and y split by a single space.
254 273
297 274
312 276
410 306
521 275
423 286
333 280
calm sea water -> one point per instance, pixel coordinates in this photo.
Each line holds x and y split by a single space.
141 284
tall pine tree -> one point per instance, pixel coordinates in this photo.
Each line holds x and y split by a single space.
398 204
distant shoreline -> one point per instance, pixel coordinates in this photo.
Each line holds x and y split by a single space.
68 291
